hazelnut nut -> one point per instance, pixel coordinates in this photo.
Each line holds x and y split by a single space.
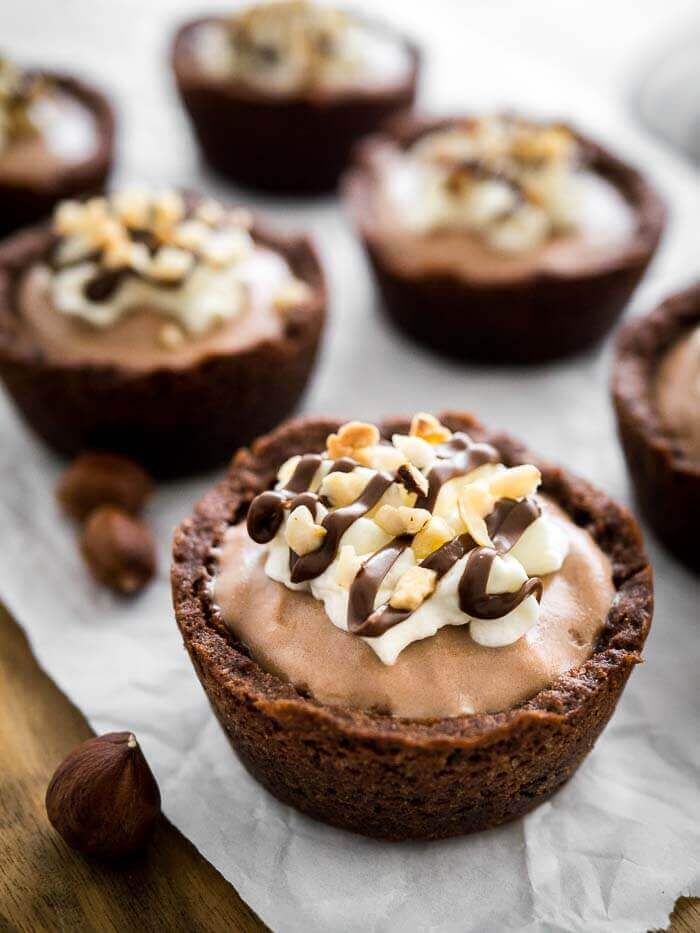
103 798
119 549
95 479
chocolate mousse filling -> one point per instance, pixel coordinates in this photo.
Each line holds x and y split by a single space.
313 714
657 402
289 634
455 293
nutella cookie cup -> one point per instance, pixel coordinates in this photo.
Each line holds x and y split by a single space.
164 327
411 631
279 93
656 392
56 141
501 239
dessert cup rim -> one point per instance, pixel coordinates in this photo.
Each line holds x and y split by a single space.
640 347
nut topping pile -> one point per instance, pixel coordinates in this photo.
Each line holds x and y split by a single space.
18 91
291 44
510 181
409 535
187 259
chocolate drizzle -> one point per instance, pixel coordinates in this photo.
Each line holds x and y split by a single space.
505 524
457 457
336 524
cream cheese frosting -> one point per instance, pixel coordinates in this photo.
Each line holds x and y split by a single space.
677 391
142 277
399 540
295 46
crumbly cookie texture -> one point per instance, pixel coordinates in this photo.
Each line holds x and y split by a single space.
400 538
291 45
138 247
19 90
512 182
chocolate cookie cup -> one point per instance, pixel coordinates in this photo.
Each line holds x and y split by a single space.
503 309
178 405
30 187
382 775
294 143
664 470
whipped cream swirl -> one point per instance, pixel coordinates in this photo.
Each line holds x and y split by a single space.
398 540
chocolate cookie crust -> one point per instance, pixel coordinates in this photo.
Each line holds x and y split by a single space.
22 205
665 478
174 421
528 319
294 144
405 778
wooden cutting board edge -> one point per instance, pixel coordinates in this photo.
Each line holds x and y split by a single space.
45 886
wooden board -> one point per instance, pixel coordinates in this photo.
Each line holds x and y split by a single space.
46 886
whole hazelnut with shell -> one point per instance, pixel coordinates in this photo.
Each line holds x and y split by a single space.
103 798
95 479
119 549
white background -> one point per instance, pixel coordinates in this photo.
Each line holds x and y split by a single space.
614 849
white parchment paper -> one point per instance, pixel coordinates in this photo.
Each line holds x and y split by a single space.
614 848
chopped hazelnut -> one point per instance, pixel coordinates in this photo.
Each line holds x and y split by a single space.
412 479
190 234
516 482
170 336
417 451
133 207
209 211
402 520
353 439
69 218
170 264
291 296
343 488
475 502
387 458
432 536
413 588
284 474
224 247
429 428
168 210
301 533
349 564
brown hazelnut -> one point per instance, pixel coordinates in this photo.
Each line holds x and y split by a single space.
95 479
119 549
103 798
